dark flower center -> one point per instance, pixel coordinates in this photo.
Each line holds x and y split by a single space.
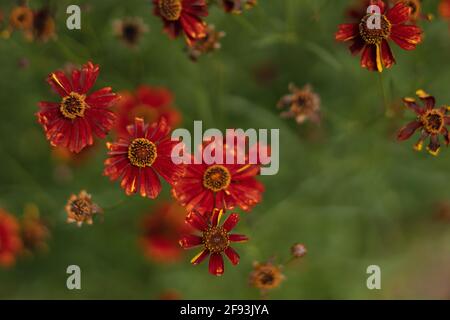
130 32
376 35
267 278
170 9
73 106
81 207
216 239
433 121
142 152
216 178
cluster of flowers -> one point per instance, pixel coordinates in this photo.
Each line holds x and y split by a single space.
34 24
141 155
398 23
24 237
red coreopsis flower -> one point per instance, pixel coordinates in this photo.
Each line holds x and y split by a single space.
149 103
182 15
138 156
373 42
215 239
431 122
204 187
73 122
161 232
10 243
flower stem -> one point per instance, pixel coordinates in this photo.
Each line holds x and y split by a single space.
383 93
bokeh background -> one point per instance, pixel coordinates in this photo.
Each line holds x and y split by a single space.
346 189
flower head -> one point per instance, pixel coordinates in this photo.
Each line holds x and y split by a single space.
298 250
444 9
137 157
266 276
301 104
207 44
35 232
130 30
10 242
21 18
204 187
215 239
182 16
431 122
74 121
161 230
80 208
146 102
372 41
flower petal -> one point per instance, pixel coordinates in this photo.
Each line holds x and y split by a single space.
189 241
237 238
232 255
197 221
200 257
231 222
216 266
408 130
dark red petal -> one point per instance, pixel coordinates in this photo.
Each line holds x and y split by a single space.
197 221
189 241
429 100
411 103
216 266
446 134
386 54
434 145
59 82
406 36
232 255
89 76
369 57
152 186
200 257
231 222
357 46
399 13
216 216
347 31
408 130
237 238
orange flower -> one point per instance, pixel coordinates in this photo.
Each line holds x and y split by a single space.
10 242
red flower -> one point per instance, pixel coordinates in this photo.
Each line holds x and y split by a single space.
224 186
161 231
182 15
430 121
10 243
137 157
444 9
373 43
74 121
149 103
215 240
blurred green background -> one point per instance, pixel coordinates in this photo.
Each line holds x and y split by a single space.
346 189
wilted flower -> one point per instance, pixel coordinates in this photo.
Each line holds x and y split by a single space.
209 43
431 122
215 239
182 16
301 104
298 250
44 28
146 102
137 158
10 242
266 276
130 30
73 122
373 42
35 232
80 208
204 187
161 231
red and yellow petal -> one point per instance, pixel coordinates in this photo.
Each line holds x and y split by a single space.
190 241
216 265
200 257
407 131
